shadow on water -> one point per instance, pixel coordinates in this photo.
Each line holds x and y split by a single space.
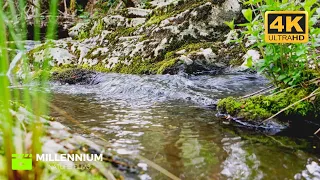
165 119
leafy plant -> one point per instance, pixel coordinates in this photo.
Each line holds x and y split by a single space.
230 24
284 64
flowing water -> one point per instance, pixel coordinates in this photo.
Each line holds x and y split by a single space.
170 121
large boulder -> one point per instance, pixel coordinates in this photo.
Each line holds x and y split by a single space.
57 55
180 36
203 22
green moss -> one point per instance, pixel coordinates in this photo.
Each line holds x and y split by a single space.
234 52
189 47
62 68
162 66
229 105
83 35
157 19
98 56
169 54
98 68
173 9
99 28
39 48
196 46
143 38
262 107
121 32
236 62
138 65
148 5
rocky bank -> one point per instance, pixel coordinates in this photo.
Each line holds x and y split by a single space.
162 37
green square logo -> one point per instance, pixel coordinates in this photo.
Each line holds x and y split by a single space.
21 161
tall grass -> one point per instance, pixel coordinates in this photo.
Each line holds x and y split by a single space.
32 92
13 29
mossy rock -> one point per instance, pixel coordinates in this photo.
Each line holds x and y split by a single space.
261 107
73 76
173 9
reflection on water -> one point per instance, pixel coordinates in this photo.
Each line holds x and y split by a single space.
312 171
240 164
181 136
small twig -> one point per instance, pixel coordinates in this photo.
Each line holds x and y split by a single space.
283 90
267 89
288 107
312 81
159 168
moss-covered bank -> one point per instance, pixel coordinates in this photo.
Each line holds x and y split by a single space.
259 108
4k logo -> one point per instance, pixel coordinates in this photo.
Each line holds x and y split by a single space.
21 161
286 27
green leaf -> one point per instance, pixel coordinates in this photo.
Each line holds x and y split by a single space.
247 13
282 77
230 24
300 52
286 80
315 31
249 62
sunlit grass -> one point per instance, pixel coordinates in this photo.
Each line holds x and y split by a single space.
35 98
13 28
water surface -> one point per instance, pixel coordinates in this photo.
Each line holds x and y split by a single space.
169 120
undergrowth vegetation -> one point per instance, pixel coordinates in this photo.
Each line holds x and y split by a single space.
25 133
263 107
293 66
284 64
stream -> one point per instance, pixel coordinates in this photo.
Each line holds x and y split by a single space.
171 121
